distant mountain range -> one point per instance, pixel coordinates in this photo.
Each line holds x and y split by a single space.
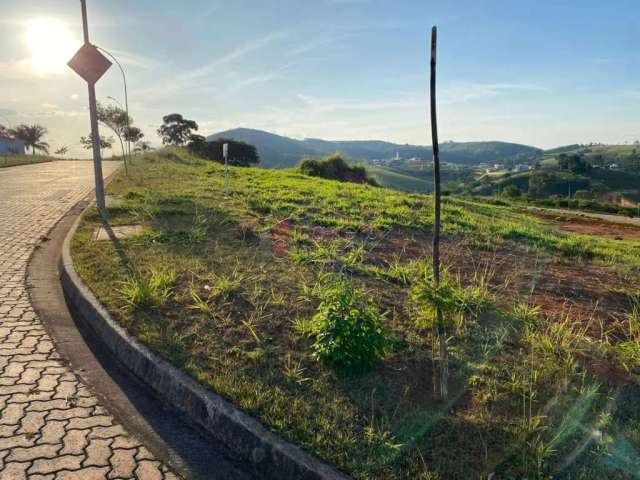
279 151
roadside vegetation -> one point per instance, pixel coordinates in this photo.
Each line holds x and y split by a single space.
308 303
15 160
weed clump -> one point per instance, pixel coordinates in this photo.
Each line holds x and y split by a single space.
456 302
147 291
348 328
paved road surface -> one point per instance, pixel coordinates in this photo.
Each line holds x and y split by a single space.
51 425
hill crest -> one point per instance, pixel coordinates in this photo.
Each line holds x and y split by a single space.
280 151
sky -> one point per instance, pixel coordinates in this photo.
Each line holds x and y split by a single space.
543 73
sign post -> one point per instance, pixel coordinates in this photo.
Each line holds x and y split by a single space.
90 64
225 154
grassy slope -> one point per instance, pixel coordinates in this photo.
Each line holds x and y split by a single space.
248 342
399 181
15 160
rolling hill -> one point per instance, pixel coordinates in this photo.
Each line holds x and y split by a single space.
279 151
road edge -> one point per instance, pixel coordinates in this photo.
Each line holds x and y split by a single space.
270 456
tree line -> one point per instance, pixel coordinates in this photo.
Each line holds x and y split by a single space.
174 131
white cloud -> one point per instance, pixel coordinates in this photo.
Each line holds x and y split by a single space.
187 80
232 56
261 78
465 92
315 44
133 59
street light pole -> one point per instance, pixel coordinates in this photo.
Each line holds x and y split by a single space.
126 95
95 133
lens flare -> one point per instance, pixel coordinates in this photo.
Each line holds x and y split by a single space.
51 45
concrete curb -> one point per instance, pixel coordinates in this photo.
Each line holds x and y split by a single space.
270 456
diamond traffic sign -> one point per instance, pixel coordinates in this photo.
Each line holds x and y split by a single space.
89 63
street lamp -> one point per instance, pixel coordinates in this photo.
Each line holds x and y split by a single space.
126 96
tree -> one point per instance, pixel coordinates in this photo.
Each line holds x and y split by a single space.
117 120
142 147
32 136
241 154
635 159
133 134
176 130
539 183
512 191
62 151
105 142
5 132
575 163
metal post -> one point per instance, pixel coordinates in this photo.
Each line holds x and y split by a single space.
225 154
95 133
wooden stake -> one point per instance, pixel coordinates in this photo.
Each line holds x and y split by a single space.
436 162
440 327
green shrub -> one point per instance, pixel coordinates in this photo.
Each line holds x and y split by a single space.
348 328
334 167
512 192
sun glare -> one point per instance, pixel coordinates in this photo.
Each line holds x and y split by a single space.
51 44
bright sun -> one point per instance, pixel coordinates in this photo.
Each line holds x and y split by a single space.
51 43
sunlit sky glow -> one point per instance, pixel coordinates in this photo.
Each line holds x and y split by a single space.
51 44
543 73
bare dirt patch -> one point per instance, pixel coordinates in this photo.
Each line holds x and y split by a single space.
588 293
590 226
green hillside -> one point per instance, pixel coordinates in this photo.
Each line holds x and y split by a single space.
399 181
279 151
600 183
625 156
251 294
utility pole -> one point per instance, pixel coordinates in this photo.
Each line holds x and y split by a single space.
95 134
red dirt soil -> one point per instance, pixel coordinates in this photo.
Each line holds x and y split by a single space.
590 226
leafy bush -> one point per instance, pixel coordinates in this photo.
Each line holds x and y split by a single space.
348 328
512 191
241 154
334 167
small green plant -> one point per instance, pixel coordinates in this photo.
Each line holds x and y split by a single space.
456 302
294 372
147 291
348 328
225 285
199 303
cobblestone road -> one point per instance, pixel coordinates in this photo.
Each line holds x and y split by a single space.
51 426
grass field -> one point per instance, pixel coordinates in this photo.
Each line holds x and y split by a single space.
399 181
544 359
15 160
